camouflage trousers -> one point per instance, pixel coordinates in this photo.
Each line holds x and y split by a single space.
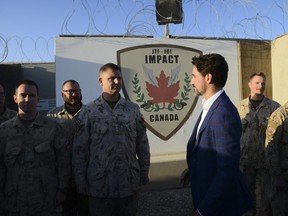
257 180
75 204
278 200
126 206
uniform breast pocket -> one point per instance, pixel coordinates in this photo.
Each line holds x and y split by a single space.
12 152
264 121
96 179
131 129
99 128
45 152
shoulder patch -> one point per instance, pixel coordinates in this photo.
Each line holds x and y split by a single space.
270 131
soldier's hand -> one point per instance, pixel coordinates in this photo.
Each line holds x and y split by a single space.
185 178
144 178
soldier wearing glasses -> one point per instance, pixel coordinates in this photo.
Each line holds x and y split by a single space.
5 113
75 204
72 97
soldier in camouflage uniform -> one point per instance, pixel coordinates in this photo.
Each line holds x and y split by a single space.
68 116
34 164
277 160
5 113
72 97
111 155
254 112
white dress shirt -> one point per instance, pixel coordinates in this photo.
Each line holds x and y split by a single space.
206 104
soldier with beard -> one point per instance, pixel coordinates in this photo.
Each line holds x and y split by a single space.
68 113
254 113
72 97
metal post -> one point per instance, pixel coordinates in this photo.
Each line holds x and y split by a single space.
167 35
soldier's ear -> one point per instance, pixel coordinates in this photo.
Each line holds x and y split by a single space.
249 84
100 80
15 98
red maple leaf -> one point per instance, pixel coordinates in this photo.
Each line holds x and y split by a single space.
162 93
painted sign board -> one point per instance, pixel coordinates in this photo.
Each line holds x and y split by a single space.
156 75
158 80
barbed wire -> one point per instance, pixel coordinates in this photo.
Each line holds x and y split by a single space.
201 18
26 49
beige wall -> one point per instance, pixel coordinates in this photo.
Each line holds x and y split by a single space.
279 55
255 56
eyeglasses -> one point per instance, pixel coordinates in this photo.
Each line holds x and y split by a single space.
71 91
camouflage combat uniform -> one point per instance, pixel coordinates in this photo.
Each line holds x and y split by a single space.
75 204
277 158
34 167
252 160
7 114
111 150
62 114
69 124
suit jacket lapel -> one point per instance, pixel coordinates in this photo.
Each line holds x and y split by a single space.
192 140
208 116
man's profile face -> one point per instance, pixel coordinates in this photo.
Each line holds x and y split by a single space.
198 82
71 94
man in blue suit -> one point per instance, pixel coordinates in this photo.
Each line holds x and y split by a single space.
213 152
